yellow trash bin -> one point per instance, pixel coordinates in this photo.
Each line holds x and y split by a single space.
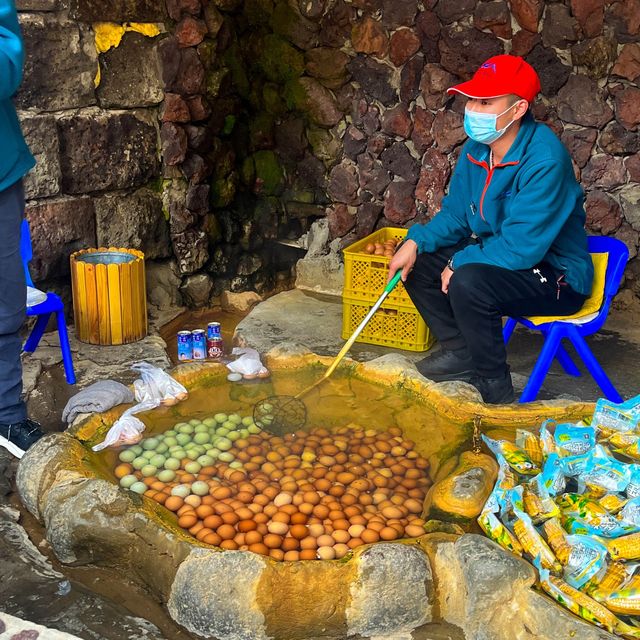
109 295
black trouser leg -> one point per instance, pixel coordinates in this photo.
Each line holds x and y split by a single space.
423 286
481 294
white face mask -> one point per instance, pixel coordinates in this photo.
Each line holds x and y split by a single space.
481 127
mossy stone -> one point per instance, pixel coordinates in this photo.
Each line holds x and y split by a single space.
232 59
272 99
268 172
223 191
214 81
248 172
279 60
211 227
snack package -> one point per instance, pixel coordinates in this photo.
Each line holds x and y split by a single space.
587 557
582 605
608 580
531 445
633 488
625 547
515 457
533 544
613 502
537 502
584 516
552 477
609 416
630 512
603 473
155 385
574 439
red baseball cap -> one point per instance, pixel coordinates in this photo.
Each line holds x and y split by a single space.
501 76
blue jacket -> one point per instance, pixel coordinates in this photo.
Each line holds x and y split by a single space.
15 157
526 210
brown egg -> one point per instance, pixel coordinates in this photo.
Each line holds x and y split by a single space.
229 545
229 517
392 512
299 531
247 525
311 497
260 548
321 511
413 506
173 503
413 530
388 533
341 523
281 516
252 537
194 501
221 493
340 550
325 540
307 554
290 544
213 538
341 536
326 553
322 484
369 536
279 528
226 531
276 554
370 248
291 556
272 540
204 511
355 530
239 539
244 513
188 520
355 542
122 470
299 518
308 543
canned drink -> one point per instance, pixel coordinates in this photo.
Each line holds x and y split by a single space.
185 345
199 344
213 330
214 348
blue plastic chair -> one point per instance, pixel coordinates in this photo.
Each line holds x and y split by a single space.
53 304
555 332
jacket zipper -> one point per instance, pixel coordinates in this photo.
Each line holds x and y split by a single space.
487 182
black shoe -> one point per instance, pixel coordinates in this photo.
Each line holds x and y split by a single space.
495 390
447 365
19 436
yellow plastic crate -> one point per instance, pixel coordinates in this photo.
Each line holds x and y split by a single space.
365 275
397 326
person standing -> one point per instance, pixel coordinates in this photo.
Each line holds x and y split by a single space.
17 432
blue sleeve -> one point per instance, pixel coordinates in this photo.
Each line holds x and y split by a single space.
545 200
449 225
11 50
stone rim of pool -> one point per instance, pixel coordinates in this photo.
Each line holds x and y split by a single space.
383 589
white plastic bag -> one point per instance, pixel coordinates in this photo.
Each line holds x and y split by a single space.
248 364
155 385
127 429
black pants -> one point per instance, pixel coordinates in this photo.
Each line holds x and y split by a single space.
470 315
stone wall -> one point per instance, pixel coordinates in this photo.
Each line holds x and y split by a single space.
97 179
262 116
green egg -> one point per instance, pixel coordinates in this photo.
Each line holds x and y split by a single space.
235 418
210 422
162 448
170 441
150 443
247 421
221 431
127 455
201 428
185 430
220 417
200 488
233 435
138 487
254 428
177 425
224 444
182 490
205 460
147 455
172 464
244 433
194 422
139 462
166 475
192 467
148 470
193 454
179 453
225 456
183 438
169 434
213 453
235 464
266 408
128 480
229 425
201 438
157 460
136 448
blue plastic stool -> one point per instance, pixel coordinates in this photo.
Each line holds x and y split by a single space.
555 332
53 304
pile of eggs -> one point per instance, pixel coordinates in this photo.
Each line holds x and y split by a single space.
308 495
386 248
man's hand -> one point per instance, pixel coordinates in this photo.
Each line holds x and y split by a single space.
404 259
445 276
